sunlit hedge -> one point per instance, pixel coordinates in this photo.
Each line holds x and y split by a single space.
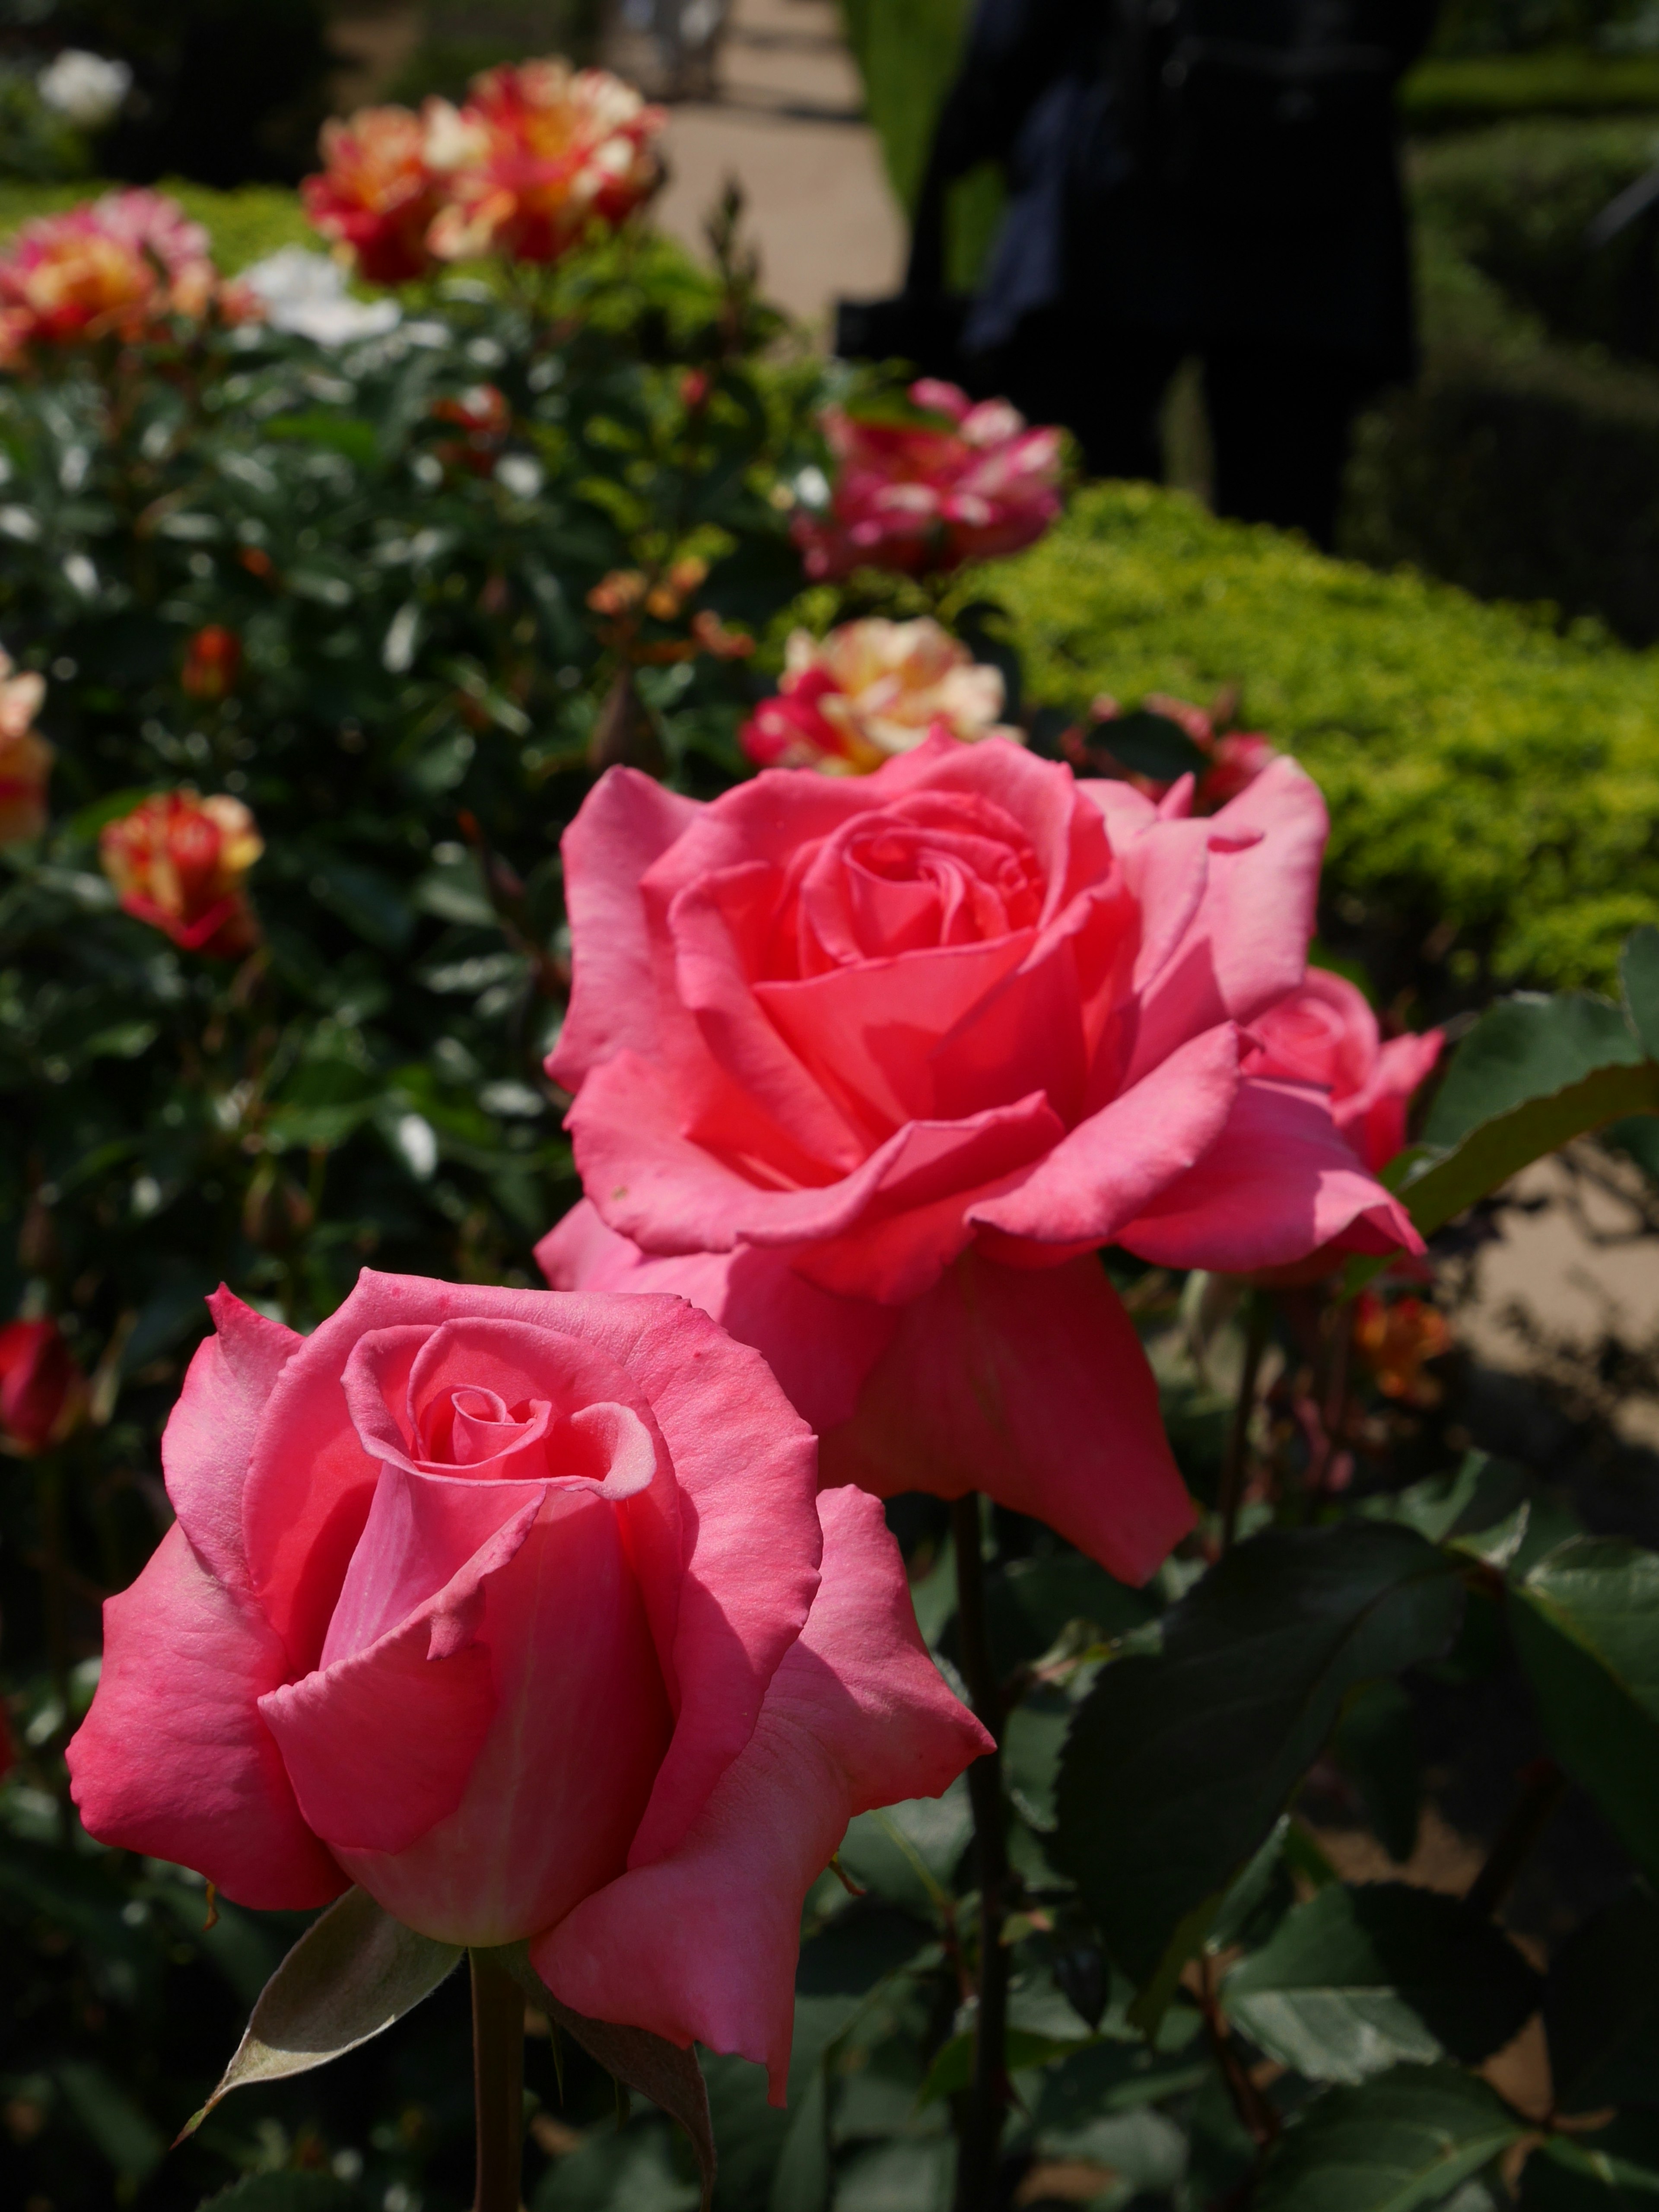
1483 771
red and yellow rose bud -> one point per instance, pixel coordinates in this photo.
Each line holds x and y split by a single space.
42 1392
179 863
26 758
868 691
213 661
377 196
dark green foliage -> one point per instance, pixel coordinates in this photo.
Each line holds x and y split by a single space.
1357 1980
1601 2009
1183 1759
1404 2140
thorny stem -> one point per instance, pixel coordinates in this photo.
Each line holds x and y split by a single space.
980 2115
1544 1786
498 2083
1238 1440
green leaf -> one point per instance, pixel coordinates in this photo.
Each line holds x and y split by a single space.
952 2069
1616 2168
610 2170
288 2191
1586 1625
1638 977
1030 1603
1179 1764
365 899
1375 1745
1358 1979
1402 2140
352 1973
1601 2009
1526 1048
130 2141
1533 1073
659 2069
1150 743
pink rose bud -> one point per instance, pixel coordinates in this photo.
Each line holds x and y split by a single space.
42 1391
954 483
1325 1032
869 1068
524 1614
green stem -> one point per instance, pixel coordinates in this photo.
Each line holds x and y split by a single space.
498 2083
1257 1324
981 2112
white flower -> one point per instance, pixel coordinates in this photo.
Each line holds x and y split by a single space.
306 293
86 87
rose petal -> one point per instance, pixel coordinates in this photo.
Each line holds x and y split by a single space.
1279 1183
1033 1388
700 1944
173 1759
1107 1171
628 822
820 1347
209 1434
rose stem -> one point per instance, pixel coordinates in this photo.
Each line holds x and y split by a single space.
497 2082
981 2113
1257 1323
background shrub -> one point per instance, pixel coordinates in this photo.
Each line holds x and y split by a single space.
1493 786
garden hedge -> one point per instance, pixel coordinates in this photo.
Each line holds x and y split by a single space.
1485 773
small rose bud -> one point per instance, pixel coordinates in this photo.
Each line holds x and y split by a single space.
177 862
42 1391
213 661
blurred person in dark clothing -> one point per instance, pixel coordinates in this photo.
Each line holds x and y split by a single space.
1210 176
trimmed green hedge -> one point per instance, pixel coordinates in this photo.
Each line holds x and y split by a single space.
1483 771
1454 94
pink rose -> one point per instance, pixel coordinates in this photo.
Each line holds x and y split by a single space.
520 1611
869 1066
1326 1033
950 483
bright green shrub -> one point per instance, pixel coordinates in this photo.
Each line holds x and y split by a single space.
1480 769
1447 93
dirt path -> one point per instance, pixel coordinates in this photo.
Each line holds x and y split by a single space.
789 125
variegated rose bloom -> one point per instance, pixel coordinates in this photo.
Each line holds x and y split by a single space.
376 197
118 267
26 758
539 153
871 689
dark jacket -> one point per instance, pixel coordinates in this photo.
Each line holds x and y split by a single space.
1207 169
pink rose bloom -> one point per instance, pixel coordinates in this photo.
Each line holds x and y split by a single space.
869 689
376 197
869 1066
957 481
1326 1033
522 1613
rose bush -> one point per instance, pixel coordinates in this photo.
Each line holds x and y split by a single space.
870 689
522 1613
121 266
869 1066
